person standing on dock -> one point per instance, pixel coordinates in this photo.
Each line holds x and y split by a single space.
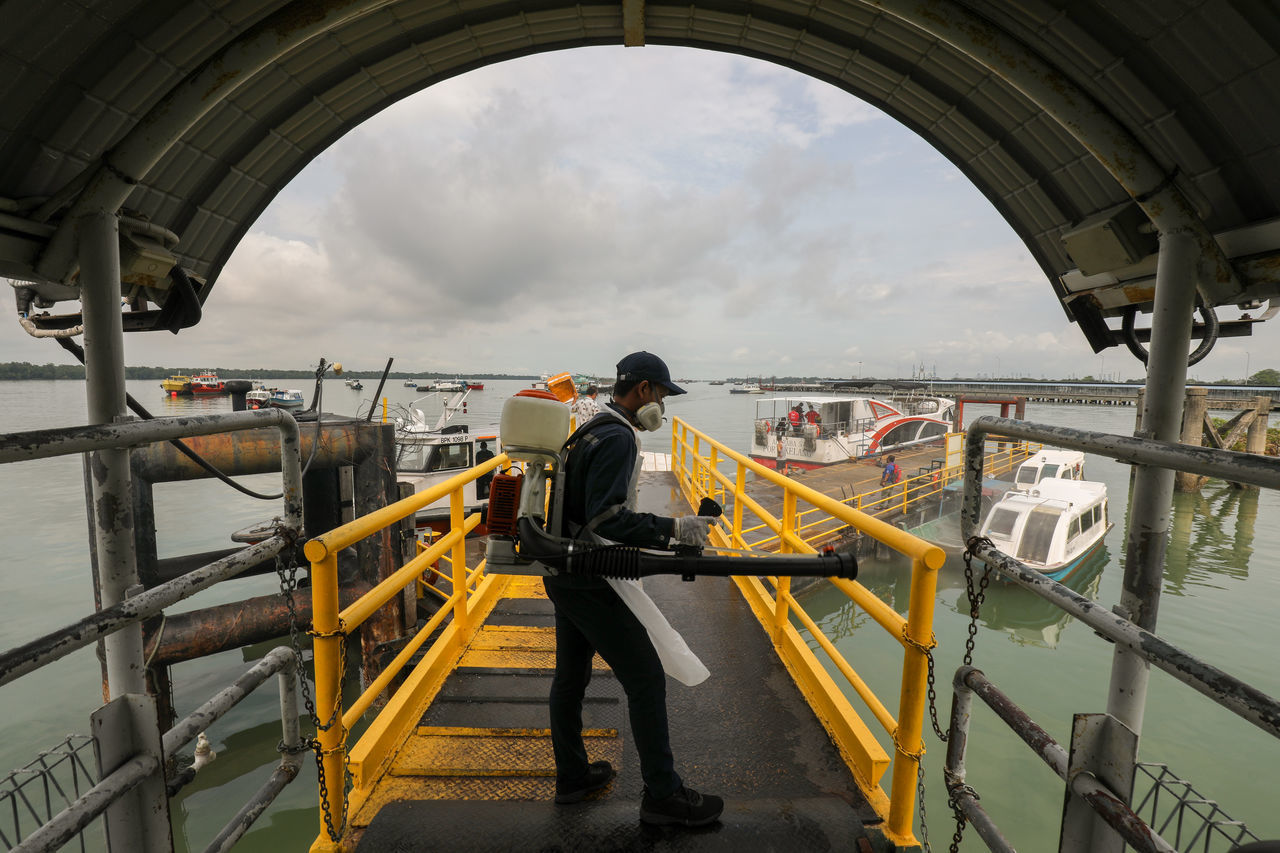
814 419
585 407
484 454
891 473
782 452
602 471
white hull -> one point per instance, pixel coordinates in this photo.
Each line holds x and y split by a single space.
845 428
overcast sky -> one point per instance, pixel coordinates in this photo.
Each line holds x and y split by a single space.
555 212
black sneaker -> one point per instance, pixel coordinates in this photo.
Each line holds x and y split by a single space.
599 774
685 807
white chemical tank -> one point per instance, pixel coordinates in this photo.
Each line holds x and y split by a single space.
533 421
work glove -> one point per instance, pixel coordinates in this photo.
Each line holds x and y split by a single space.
692 530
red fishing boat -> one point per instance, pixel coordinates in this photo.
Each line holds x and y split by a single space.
207 383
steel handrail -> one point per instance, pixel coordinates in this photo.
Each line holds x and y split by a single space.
46 444
1232 693
50 443
969 681
281 662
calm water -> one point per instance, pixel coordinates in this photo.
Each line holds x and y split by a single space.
1222 578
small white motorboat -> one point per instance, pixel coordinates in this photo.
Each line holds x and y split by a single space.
1052 527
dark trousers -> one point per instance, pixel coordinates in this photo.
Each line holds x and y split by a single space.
592 619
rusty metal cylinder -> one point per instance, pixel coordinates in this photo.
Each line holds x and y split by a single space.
191 635
342 442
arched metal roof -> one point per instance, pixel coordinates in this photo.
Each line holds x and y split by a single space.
1082 122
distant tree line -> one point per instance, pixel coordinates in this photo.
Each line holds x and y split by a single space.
26 370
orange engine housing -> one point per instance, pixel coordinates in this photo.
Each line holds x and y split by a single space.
504 503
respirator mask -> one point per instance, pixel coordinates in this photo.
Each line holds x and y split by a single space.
649 416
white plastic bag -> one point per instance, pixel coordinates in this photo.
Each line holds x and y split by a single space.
678 660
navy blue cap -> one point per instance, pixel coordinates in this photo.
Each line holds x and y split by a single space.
646 365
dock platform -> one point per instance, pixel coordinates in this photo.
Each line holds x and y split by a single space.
478 772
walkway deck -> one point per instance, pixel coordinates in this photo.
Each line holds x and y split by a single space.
478 772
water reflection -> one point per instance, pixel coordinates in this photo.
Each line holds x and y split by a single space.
1211 537
1031 620
203 404
1025 616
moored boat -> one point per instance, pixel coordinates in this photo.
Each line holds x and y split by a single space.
1052 527
1049 465
286 398
474 386
207 383
821 431
177 385
258 398
430 454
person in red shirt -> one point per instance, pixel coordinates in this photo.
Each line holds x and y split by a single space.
795 418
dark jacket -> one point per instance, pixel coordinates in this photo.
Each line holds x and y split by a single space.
597 474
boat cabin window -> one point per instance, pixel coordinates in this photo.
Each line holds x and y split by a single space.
932 430
1027 474
1090 517
1073 532
899 434
1037 534
1050 469
446 457
413 457
1002 521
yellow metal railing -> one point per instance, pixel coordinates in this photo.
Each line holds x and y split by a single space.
472 595
696 461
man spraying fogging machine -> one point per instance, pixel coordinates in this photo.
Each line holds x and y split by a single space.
593 581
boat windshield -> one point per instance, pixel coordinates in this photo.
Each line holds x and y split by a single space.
1002 521
1027 474
450 456
413 457
433 457
1037 534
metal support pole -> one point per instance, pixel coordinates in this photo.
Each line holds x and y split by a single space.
912 701
457 517
1150 507
112 497
328 649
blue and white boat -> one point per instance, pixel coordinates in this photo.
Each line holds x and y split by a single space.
1052 527
286 399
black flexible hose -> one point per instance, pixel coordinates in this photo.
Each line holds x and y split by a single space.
626 562
1206 344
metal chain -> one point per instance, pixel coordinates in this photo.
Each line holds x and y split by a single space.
924 823
975 605
975 597
961 820
288 572
975 600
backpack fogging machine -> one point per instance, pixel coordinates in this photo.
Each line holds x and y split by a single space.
522 542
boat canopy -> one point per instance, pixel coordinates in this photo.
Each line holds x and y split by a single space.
801 398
